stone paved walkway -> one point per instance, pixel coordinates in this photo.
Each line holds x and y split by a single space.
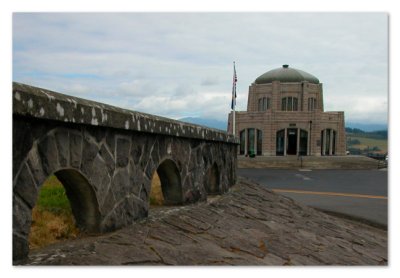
249 225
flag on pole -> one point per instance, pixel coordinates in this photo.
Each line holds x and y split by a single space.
233 104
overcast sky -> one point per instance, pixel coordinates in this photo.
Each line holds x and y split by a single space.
180 64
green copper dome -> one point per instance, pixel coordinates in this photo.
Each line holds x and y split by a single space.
286 74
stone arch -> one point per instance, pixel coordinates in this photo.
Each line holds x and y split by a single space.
82 198
212 180
171 185
59 153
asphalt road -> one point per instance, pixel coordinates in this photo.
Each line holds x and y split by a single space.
358 193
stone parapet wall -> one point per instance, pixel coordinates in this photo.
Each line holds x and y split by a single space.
106 157
45 104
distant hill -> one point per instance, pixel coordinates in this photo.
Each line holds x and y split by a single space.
222 125
379 134
367 127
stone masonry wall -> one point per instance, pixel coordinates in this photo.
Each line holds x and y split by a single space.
107 170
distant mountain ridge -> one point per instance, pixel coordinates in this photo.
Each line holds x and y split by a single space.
212 123
367 127
222 125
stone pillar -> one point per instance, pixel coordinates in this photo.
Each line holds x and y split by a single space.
330 141
255 140
309 146
285 142
324 143
245 141
298 142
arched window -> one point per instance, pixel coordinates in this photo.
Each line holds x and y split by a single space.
280 142
250 141
328 141
289 104
312 104
242 141
303 142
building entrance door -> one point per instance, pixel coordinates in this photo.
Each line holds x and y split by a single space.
292 141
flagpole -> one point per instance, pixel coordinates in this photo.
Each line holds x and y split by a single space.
234 100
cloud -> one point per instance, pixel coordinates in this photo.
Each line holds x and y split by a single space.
180 64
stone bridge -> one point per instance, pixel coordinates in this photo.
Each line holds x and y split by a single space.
105 157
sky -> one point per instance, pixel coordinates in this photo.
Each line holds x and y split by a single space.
181 64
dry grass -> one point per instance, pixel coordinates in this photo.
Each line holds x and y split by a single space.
370 143
52 218
156 196
48 228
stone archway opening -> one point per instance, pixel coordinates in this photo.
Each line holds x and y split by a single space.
212 180
65 209
166 187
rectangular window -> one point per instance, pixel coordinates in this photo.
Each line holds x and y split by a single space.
268 103
289 104
328 140
283 107
250 141
312 104
260 104
295 104
242 141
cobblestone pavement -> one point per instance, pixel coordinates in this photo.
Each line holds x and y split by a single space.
249 225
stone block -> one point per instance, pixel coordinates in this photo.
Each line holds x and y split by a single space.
25 186
35 165
136 152
22 216
20 247
48 152
75 149
122 151
121 184
136 178
108 202
89 151
98 175
62 141
108 159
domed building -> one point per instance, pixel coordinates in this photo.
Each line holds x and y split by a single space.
285 116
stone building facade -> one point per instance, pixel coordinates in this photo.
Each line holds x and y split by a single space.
285 116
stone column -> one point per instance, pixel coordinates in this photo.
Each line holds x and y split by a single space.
255 141
309 146
330 141
285 142
324 143
245 141
298 142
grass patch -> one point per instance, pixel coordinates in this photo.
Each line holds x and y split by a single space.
52 218
369 143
